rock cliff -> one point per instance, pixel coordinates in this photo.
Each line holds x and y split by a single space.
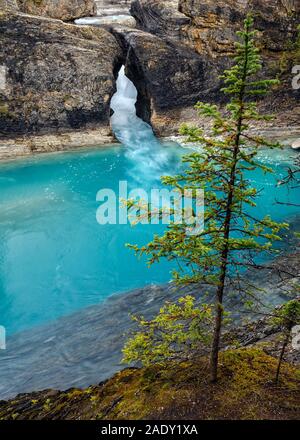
166 75
57 77
209 28
54 76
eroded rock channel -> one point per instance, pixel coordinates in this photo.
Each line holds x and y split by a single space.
57 78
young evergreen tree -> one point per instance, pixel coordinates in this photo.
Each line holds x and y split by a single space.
175 333
287 318
232 236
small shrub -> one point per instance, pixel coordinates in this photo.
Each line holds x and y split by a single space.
177 331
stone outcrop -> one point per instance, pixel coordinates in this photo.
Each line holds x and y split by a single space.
166 75
62 9
159 18
208 28
54 77
213 24
112 7
58 77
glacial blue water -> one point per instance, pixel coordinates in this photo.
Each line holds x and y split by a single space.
54 256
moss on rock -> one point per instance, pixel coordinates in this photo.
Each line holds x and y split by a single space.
245 390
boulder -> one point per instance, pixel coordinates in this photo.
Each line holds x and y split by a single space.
54 76
112 7
62 9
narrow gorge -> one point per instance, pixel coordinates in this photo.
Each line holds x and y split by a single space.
57 79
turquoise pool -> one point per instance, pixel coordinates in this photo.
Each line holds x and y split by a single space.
54 256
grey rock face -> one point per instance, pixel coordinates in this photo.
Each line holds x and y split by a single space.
160 18
213 24
61 9
208 29
165 74
54 76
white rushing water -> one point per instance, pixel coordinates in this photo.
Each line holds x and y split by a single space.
127 20
142 147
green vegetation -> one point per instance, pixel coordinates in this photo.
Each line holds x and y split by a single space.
287 317
178 391
232 238
291 56
4 110
175 333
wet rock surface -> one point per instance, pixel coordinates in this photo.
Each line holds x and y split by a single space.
54 76
112 7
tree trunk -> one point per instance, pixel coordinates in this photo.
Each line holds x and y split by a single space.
285 343
214 358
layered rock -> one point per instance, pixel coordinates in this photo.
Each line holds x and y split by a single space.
175 58
61 9
213 24
54 77
160 18
208 28
166 75
112 7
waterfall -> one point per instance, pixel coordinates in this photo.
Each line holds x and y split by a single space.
143 149
130 130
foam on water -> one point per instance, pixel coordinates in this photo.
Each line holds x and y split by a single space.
143 149
105 19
